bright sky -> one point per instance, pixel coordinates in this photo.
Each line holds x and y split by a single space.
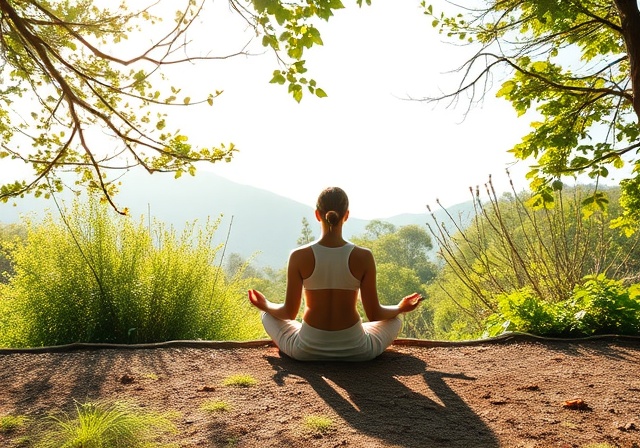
390 155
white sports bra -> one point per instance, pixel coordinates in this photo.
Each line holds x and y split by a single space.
331 270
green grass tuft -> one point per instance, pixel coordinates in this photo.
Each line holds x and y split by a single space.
240 381
10 423
98 425
318 424
215 406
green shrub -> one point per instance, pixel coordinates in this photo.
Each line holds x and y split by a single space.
523 311
99 277
513 247
602 306
598 306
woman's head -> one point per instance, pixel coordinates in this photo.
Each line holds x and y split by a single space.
333 205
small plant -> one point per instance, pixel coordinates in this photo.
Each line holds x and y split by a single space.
240 380
215 406
318 424
97 425
10 423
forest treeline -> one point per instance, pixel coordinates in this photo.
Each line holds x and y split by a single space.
94 276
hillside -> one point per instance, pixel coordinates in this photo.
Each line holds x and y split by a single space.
254 211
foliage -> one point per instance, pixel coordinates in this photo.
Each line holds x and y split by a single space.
11 235
69 71
240 380
395 282
419 323
79 80
575 64
97 425
288 28
402 266
98 277
449 309
306 234
511 247
404 247
597 306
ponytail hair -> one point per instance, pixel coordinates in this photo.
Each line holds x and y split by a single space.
332 204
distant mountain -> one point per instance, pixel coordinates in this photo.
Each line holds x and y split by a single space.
265 225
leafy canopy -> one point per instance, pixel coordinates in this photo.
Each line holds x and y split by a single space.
573 65
77 96
65 75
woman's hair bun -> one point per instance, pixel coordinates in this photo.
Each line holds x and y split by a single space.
332 217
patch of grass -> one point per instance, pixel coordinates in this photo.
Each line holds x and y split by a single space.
10 423
232 442
151 376
22 442
97 425
570 425
318 424
240 380
215 406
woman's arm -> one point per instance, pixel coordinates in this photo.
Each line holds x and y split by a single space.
369 293
293 298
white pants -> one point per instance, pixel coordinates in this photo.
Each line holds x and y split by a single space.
361 342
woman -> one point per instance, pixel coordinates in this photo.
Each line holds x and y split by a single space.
330 272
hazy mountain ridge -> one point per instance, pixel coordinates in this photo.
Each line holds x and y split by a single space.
265 225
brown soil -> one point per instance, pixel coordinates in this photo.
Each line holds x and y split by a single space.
510 394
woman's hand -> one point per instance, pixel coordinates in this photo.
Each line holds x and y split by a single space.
258 300
410 302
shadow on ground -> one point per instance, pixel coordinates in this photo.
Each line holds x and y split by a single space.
374 400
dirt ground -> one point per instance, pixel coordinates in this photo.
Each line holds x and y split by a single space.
520 392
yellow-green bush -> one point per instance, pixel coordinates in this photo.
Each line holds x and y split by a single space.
96 276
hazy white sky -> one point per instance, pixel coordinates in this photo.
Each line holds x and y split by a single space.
391 156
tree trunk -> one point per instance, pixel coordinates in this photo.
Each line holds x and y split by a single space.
630 22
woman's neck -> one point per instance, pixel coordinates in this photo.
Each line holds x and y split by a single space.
332 237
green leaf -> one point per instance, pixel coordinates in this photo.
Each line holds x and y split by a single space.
506 89
278 78
261 5
539 66
320 93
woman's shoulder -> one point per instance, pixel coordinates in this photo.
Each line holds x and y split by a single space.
361 252
301 251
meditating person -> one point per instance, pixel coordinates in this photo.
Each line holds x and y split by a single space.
330 272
